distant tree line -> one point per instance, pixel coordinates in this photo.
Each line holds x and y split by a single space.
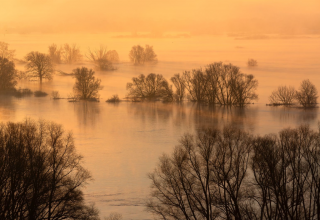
218 83
231 174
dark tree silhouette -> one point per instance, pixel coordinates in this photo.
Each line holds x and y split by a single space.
307 94
204 178
139 55
220 83
86 85
283 95
39 65
5 52
41 175
230 174
152 87
7 75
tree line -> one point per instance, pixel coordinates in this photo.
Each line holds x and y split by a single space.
218 83
231 174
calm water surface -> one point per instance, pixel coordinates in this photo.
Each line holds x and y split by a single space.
122 142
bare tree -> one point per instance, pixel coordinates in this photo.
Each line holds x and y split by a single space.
7 75
41 175
102 58
39 65
180 87
86 85
5 52
307 94
71 53
139 55
286 175
204 178
55 53
136 55
149 54
152 87
195 83
283 95
114 216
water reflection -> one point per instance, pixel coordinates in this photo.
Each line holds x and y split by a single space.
7 107
194 115
298 115
87 112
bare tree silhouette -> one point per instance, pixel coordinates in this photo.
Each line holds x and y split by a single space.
41 175
86 85
39 65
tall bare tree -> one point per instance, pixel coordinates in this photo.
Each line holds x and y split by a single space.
86 85
39 65
307 94
55 53
41 175
283 95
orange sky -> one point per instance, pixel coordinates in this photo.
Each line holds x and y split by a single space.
158 17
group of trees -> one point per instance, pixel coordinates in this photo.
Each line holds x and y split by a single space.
64 54
230 174
41 175
307 95
218 83
139 55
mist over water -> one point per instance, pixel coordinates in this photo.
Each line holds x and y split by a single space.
122 142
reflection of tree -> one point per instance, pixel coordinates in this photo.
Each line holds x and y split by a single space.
87 112
151 111
219 116
7 107
194 115
298 115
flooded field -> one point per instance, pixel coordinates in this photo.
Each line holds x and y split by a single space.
122 142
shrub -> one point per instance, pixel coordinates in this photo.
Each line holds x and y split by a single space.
252 62
114 98
40 94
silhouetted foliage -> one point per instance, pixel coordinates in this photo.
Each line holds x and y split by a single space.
55 53
7 75
19 93
307 94
152 87
283 95
103 59
204 178
139 55
40 94
220 83
86 85
5 52
113 56
114 98
230 174
252 62
41 175
180 87
39 65
71 54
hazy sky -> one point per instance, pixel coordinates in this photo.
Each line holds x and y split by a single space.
158 17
